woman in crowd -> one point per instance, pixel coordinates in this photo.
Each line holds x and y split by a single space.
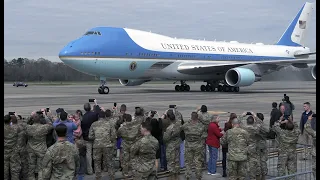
213 142
78 132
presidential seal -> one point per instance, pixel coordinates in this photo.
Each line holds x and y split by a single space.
133 66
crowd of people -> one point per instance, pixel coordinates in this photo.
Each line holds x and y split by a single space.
64 145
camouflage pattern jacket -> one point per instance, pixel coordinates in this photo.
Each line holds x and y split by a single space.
37 137
312 133
61 161
195 133
144 153
172 134
11 138
238 141
103 133
287 139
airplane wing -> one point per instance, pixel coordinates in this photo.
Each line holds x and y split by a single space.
198 68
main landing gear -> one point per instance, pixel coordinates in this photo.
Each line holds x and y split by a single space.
182 87
103 88
213 86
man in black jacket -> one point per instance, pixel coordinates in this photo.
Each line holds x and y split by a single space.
88 118
275 114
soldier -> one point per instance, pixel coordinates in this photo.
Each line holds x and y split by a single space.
308 129
205 118
144 153
195 138
237 141
22 146
262 145
103 134
288 138
171 138
253 161
128 132
61 160
11 151
36 146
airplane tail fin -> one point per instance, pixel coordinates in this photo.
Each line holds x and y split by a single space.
295 34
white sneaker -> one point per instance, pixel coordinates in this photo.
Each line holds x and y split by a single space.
209 173
215 174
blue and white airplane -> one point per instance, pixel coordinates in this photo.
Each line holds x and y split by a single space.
135 57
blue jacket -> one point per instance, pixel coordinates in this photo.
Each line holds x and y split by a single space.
304 119
71 126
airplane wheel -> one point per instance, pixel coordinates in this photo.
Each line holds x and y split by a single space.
100 90
208 88
213 88
187 88
203 88
224 88
183 88
105 90
219 88
231 89
236 89
177 88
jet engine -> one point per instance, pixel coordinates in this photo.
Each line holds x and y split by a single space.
132 82
313 71
240 77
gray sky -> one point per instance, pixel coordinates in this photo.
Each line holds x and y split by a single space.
35 29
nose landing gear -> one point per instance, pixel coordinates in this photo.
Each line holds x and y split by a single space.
103 88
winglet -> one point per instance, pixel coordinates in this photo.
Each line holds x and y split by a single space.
296 31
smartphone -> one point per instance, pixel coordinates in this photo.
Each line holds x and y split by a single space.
248 113
314 115
136 107
11 113
114 104
284 95
91 100
47 110
172 106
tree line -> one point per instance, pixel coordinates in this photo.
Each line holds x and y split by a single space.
23 69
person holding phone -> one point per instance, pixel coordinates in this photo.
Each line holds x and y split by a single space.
306 137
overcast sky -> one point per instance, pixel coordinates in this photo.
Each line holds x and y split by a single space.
35 29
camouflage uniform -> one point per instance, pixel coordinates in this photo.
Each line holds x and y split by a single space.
237 141
36 147
171 138
262 147
308 129
12 164
143 157
254 163
113 120
287 159
205 119
103 134
23 149
61 161
195 137
129 132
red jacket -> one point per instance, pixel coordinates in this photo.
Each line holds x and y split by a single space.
214 134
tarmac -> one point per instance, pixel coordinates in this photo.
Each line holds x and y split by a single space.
256 98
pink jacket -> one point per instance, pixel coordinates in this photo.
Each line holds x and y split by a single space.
78 132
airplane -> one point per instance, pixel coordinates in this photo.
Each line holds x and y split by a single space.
135 57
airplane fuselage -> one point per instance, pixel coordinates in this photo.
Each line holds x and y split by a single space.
122 53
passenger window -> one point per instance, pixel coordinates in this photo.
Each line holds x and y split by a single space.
89 33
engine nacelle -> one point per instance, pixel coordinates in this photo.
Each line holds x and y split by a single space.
240 77
313 72
131 82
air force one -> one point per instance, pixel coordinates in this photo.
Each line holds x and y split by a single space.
135 57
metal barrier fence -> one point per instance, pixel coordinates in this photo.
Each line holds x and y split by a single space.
297 176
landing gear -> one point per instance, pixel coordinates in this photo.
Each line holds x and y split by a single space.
103 88
220 87
182 87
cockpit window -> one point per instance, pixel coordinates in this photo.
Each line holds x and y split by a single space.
92 33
